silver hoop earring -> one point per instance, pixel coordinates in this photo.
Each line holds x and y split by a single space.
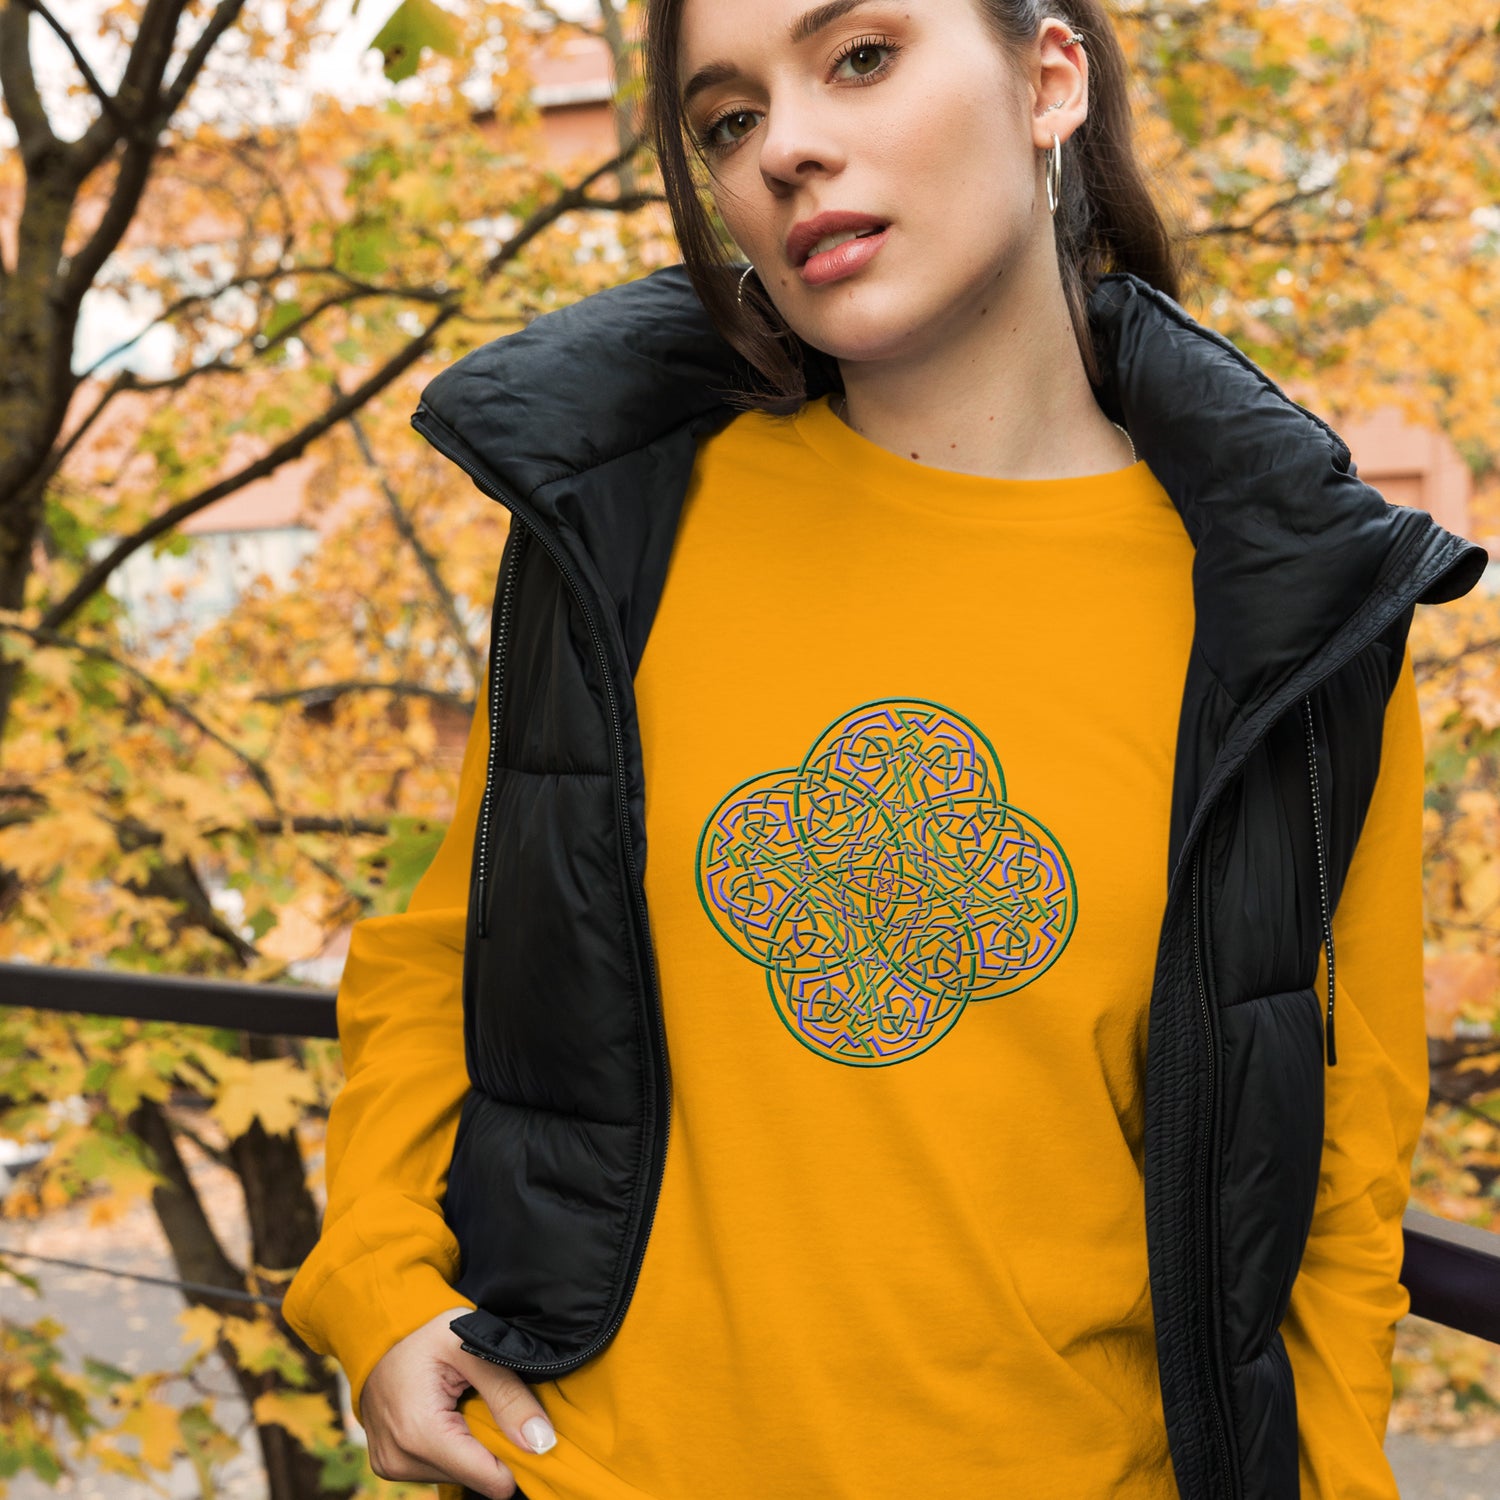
1054 174
739 295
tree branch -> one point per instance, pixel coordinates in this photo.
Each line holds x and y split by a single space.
18 86
94 577
123 124
568 201
136 97
1469 1108
195 1247
44 636
561 22
225 362
155 36
354 291
309 823
425 560
124 381
622 103
227 13
1424 664
326 692
1281 205
216 1154
124 200
144 837
177 880
144 72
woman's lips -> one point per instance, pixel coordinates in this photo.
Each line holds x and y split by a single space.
843 260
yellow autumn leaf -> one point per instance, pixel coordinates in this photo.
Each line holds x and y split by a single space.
1486 1062
52 665
116 1462
134 1078
1481 888
154 1424
200 1326
274 1090
306 1415
262 1348
201 800
107 1209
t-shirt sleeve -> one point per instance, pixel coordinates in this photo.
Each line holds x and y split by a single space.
1347 1298
385 1259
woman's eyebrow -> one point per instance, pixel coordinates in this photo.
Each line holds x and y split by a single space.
808 24
811 22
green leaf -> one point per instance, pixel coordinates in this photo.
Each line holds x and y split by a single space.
172 544
272 417
283 315
29 1282
416 25
104 1372
1184 109
343 1468
400 863
366 248
44 1463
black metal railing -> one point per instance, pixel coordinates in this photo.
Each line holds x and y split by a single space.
1451 1270
265 1009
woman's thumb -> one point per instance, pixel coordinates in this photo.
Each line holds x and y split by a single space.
517 1412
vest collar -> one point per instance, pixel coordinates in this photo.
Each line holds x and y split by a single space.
1289 542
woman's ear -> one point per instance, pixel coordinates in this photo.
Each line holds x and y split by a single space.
1059 79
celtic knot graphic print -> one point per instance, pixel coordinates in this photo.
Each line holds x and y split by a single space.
885 883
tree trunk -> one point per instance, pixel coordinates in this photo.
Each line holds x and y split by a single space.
283 1227
624 106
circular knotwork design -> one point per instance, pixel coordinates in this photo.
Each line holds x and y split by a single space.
885 882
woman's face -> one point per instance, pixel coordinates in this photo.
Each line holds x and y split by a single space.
906 119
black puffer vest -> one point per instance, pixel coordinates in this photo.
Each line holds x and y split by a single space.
585 427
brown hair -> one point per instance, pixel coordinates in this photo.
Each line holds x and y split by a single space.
1107 220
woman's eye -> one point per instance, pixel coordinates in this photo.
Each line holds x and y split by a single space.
728 129
867 60
864 59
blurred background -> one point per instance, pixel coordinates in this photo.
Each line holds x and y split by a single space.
244 609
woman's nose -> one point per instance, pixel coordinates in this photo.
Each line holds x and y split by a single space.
798 140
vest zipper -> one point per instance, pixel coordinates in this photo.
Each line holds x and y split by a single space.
1205 1178
440 440
1205 1195
1317 813
497 687
1205 1192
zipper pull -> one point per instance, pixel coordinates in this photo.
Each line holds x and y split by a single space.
1328 1025
481 926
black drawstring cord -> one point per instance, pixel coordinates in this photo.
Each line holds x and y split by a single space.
1317 811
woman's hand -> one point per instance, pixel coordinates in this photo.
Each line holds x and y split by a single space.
409 1408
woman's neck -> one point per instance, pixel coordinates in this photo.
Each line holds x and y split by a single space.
1003 393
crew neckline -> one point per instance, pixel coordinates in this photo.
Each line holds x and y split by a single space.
923 487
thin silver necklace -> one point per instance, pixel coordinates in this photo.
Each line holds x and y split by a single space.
844 417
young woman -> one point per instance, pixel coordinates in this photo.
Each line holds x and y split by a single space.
1010 684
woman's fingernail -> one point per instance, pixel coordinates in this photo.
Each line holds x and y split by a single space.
538 1434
